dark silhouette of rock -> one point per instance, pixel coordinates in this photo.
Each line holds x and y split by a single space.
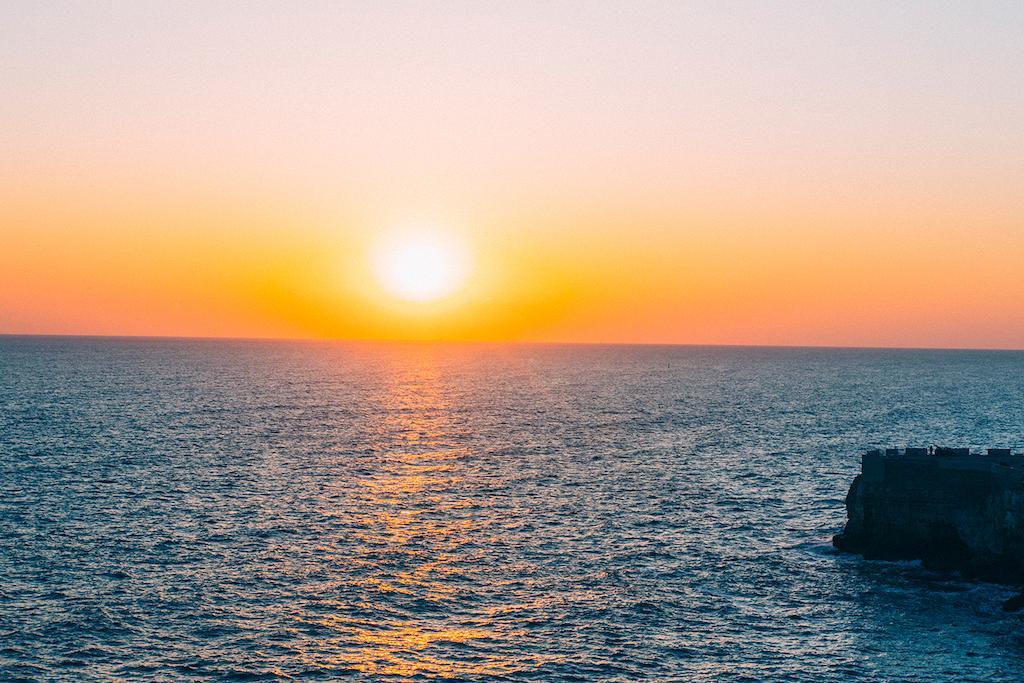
951 510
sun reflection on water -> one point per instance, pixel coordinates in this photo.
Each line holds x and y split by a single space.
416 525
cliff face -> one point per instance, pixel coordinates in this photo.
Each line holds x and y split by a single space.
953 513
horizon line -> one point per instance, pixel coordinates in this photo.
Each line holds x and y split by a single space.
514 342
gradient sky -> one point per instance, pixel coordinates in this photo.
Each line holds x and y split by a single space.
743 173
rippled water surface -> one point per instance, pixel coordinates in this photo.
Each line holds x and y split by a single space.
190 510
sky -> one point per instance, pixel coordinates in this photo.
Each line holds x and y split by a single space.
801 173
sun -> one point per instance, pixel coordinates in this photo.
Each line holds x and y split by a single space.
421 265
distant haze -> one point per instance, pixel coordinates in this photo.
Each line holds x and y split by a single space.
739 173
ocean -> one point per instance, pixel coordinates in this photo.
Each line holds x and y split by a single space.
254 510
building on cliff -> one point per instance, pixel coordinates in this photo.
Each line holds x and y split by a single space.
950 509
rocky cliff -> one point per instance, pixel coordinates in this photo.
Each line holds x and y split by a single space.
953 512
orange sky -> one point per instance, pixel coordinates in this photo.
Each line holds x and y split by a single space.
786 175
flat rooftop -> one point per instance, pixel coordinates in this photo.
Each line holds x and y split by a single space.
1002 462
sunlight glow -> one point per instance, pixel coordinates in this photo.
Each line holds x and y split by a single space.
420 265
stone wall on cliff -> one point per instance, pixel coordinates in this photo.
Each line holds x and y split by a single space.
965 514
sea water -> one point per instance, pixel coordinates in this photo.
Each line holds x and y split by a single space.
247 510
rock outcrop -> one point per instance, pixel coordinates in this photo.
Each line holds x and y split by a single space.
958 512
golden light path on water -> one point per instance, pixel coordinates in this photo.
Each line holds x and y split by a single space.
413 541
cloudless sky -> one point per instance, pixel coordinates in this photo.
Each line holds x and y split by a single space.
753 173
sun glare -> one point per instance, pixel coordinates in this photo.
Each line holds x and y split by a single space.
420 266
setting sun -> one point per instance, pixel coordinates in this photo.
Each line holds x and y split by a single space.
420 266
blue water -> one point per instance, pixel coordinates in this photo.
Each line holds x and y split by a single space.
211 510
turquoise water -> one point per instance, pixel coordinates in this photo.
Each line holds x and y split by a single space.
213 510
